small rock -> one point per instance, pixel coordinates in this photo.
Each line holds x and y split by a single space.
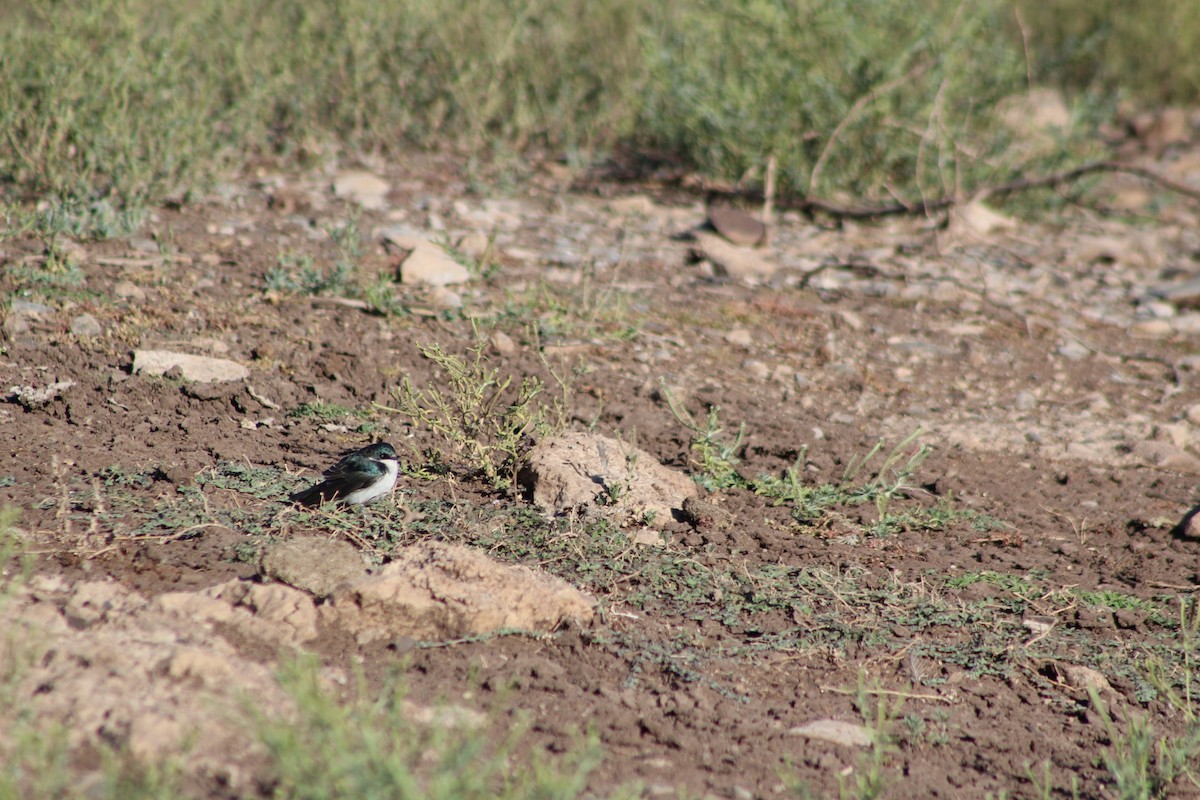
127 290
441 297
732 261
1073 350
1157 309
429 265
315 564
740 337
86 325
363 187
979 219
578 470
27 308
635 205
503 343
31 397
1151 329
1167 456
192 368
736 225
1193 414
756 369
836 731
474 245
1025 401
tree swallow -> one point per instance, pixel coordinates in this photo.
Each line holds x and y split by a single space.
360 477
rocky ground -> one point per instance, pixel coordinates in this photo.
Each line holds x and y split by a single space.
783 604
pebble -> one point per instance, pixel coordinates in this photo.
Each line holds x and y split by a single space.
1073 350
1025 401
503 343
441 297
1151 329
740 337
430 265
756 369
1193 414
86 325
128 290
474 245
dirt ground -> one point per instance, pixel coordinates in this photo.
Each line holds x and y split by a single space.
1038 550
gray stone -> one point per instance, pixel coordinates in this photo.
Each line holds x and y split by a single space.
736 225
316 564
441 297
86 325
1165 455
32 397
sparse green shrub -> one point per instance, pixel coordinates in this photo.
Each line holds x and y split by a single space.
482 415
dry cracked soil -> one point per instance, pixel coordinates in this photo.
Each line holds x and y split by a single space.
981 594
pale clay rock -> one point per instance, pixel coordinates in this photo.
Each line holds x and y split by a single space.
200 369
113 667
363 187
435 591
427 263
270 612
742 263
836 731
578 470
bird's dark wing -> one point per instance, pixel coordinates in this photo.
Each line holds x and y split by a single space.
343 478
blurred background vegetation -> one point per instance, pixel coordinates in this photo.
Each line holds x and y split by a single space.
137 100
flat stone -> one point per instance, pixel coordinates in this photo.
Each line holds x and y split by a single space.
1165 455
836 731
733 261
736 225
430 265
203 369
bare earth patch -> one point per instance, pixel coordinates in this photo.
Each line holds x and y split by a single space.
816 590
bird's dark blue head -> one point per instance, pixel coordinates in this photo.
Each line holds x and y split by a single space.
380 451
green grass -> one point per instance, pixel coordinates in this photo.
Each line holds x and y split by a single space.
128 101
370 747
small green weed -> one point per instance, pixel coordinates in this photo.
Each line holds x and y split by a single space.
327 412
1144 765
297 274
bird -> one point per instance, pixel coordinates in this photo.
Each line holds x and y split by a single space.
360 477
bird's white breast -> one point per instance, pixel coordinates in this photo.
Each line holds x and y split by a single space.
377 489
